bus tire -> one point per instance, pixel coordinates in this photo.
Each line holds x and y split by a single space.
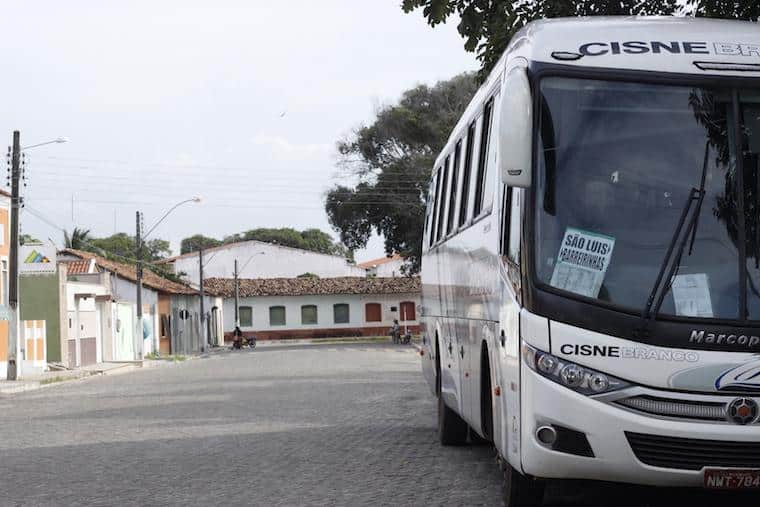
452 430
486 401
520 491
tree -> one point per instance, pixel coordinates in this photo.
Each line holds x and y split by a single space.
392 160
742 9
196 243
78 239
26 239
313 240
488 25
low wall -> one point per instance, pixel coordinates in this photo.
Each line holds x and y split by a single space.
300 334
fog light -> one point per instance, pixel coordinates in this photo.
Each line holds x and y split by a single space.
572 375
546 435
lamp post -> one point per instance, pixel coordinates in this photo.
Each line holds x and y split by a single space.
15 159
139 240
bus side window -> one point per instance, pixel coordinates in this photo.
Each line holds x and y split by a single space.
506 223
467 174
434 207
442 200
481 181
429 214
514 225
454 187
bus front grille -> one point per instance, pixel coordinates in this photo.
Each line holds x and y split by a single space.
693 454
676 408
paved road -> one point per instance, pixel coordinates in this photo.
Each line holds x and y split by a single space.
344 425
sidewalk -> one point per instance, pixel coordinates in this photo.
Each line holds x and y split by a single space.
54 377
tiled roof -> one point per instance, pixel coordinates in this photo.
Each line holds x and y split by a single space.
80 267
312 286
150 279
381 260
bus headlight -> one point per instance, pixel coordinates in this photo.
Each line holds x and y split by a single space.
573 376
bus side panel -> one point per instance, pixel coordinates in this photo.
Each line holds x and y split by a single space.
472 266
507 377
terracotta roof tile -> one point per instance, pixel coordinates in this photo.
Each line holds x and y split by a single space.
225 287
381 260
150 279
78 267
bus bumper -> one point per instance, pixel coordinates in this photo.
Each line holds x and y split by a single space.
605 426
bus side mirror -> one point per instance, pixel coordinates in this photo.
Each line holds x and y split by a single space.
516 129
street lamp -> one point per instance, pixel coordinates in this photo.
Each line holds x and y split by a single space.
57 140
15 157
139 238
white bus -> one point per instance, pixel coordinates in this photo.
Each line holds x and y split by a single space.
591 260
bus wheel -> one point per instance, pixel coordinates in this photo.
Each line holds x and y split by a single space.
452 430
520 491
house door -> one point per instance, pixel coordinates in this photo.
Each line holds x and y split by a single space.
87 331
124 337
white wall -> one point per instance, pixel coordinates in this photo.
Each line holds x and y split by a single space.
263 260
389 269
324 304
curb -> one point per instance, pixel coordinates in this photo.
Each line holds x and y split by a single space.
21 386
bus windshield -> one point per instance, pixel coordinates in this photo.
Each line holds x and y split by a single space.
618 164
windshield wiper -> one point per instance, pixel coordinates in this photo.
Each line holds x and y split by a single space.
678 245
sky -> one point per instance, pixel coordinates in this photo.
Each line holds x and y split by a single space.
239 102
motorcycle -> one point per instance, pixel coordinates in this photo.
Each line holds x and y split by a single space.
244 341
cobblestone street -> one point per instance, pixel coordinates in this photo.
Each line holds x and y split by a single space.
311 425
326 425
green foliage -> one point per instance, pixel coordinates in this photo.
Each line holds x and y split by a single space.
488 25
196 243
392 160
742 9
78 239
121 246
313 240
26 239
307 275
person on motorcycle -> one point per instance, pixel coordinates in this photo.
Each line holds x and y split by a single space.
395 331
237 340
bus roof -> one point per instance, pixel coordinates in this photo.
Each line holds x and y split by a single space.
662 44
654 43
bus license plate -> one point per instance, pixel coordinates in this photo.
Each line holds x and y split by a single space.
718 478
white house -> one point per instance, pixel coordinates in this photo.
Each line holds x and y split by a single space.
257 259
384 266
318 307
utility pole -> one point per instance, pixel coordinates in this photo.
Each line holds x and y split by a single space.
237 297
203 312
13 258
138 273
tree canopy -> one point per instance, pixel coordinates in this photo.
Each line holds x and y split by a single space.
78 238
197 242
27 239
313 240
488 25
390 162
118 247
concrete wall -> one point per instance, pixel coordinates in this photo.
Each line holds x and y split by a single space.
389 269
262 260
325 312
39 299
126 290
